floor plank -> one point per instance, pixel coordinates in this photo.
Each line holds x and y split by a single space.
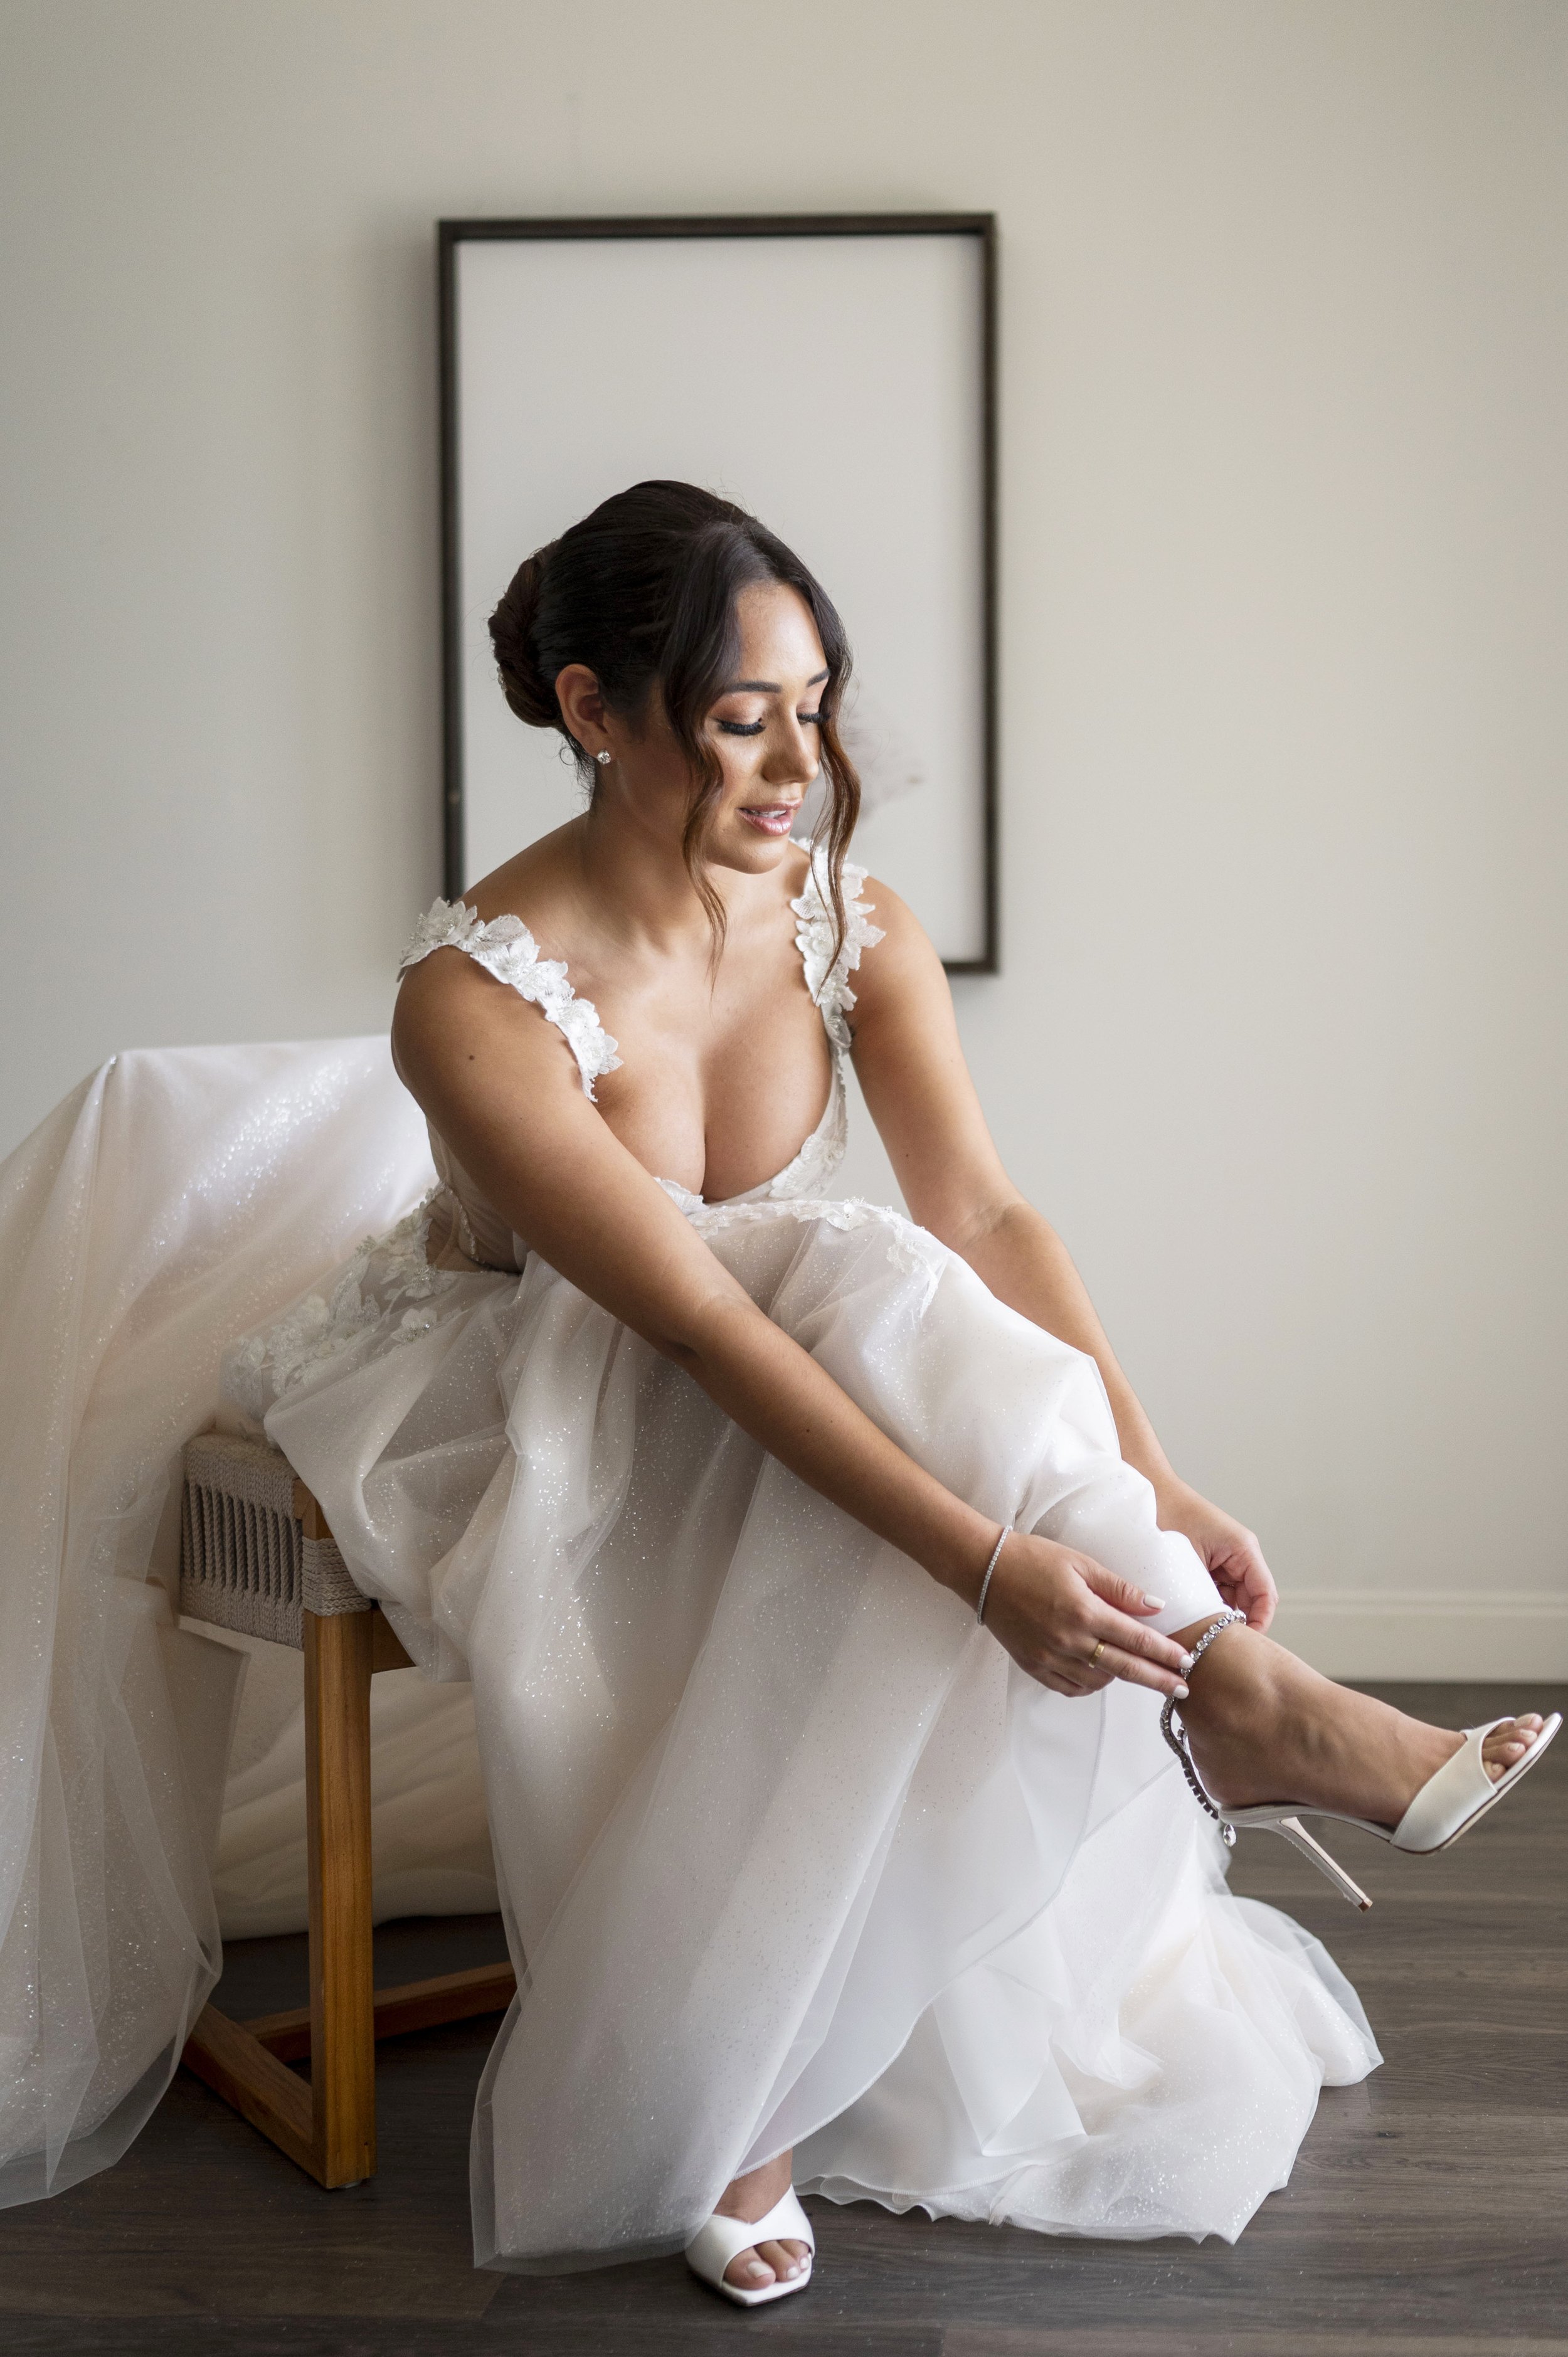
1410 2225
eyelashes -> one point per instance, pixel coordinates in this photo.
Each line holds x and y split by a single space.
756 727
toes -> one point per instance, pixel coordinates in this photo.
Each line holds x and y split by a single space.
767 2262
786 2260
1507 1745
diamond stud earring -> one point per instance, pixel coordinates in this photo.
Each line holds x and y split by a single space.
601 758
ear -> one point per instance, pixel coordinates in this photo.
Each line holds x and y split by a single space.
582 705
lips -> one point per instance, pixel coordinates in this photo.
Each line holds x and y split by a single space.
770 818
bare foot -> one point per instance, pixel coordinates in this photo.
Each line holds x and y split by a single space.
1262 1726
753 2197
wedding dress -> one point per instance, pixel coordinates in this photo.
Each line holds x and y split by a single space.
788 1851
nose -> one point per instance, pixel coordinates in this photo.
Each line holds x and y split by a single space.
792 758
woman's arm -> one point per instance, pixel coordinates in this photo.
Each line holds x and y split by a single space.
920 1095
500 1085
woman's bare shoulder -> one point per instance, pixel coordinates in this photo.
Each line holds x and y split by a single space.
904 955
446 1003
537 884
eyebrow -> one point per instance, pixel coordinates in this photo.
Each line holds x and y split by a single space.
765 686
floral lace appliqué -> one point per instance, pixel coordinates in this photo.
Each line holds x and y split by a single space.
820 1156
827 977
507 949
384 1271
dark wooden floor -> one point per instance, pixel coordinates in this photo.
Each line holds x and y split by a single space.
1427 2210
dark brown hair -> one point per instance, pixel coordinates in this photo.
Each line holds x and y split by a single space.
643 592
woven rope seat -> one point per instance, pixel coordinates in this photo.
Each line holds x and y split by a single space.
248 1559
257 1558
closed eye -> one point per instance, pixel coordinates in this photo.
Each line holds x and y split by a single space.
756 727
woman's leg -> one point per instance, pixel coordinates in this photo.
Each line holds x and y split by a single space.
1264 1726
753 2197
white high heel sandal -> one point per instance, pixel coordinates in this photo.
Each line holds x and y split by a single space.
714 2246
1447 1804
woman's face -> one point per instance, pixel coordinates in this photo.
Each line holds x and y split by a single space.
763 730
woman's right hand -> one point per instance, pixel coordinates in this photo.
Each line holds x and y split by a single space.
1050 1606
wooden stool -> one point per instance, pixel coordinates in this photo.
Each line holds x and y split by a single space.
256 1556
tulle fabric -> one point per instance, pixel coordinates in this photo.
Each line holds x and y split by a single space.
790 1853
1142 2060
173 1199
430 1840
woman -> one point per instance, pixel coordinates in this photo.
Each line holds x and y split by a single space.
784 1825
705 1480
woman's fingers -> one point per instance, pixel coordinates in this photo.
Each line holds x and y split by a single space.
1136 1672
1110 1647
1060 1681
1228 1547
1071 1675
1251 1582
1263 1597
1094 1669
1132 1637
1124 1594
1079 1679
1061 1617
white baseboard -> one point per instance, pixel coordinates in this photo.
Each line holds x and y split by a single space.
1428 1633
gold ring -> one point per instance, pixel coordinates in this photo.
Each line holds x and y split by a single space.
1097 1652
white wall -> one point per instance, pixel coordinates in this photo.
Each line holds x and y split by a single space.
1286 340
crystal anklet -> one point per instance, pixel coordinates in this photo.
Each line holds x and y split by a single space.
1174 1732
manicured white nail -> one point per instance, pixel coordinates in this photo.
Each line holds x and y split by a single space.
756 2268
1181 1693
1156 1603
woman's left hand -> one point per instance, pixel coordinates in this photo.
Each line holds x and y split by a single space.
1234 1558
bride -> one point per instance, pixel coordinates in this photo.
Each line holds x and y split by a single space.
864 1702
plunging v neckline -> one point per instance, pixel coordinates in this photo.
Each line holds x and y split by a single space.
506 948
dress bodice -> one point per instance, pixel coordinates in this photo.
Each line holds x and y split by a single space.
467 1231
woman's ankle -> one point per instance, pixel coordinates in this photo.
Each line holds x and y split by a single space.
1265 1725
1241 1686
752 2196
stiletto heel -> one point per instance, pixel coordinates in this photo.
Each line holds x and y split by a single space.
1450 1802
1296 1833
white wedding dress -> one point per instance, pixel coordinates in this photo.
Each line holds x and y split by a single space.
790 1853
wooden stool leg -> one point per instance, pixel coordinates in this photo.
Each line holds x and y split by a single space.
338 1810
329 2126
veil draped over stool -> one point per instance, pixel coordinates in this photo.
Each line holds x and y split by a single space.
175 1199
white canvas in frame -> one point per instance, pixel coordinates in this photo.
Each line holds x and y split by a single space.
833 384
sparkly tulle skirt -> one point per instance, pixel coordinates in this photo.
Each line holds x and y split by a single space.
790 1853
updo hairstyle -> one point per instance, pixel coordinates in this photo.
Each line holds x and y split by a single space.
643 592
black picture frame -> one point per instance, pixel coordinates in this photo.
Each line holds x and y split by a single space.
453 234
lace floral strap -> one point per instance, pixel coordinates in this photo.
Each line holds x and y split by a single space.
827 977
507 949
